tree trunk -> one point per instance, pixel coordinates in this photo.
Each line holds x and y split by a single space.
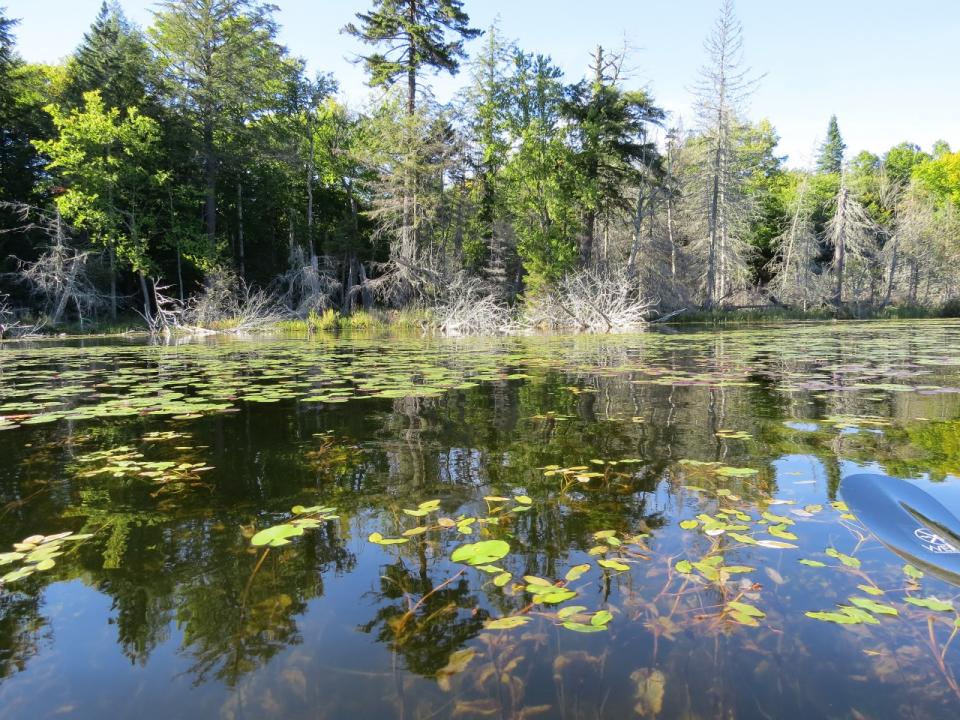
240 250
113 284
840 249
412 69
147 312
210 183
179 272
891 273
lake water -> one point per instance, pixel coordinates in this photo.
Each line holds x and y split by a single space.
658 515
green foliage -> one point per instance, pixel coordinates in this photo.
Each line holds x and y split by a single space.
114 59
111 165
414 33
941 177
830 160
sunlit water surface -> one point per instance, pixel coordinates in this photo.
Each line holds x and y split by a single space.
166 461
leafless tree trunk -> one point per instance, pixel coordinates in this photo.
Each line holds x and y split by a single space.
721 91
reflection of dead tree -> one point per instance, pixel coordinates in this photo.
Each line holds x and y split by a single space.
59 275
590 302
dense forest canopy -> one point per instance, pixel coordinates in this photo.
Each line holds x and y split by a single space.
197 158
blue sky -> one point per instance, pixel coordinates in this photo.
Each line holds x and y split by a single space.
887 68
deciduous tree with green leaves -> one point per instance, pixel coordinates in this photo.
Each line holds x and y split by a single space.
110 169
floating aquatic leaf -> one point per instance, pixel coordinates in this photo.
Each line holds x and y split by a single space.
873 606
736 471
534 580
812 563
746 539
583 627
912 572
481 553
576 572
780 531
570 610
523 499
379 539
552 595
775 544
601 617
413 532
15 575
689 524
870 589
684 566
743 618
777 519
276 536
931 603
507 623
502 579
840 618
847 560
613 564
745 608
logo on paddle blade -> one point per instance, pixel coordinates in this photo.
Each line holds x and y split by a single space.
934 543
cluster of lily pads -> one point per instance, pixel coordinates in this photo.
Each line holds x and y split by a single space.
37 553
126 461
306 518
190 381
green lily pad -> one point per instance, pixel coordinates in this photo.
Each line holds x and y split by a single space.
481 553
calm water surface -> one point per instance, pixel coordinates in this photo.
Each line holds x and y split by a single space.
659 493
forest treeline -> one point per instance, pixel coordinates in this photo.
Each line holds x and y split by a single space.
196 161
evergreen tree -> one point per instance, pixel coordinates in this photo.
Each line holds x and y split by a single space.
6 41
114 59
221 66
609 129
831 152
487 101
540 180
414 33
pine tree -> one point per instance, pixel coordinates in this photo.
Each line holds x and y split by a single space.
114 59
6 41
831 152
221 66
414 33
609 129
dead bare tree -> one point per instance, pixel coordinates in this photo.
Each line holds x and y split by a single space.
470 307
60 274
723 88
229 304
310 284
588 301
851 233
